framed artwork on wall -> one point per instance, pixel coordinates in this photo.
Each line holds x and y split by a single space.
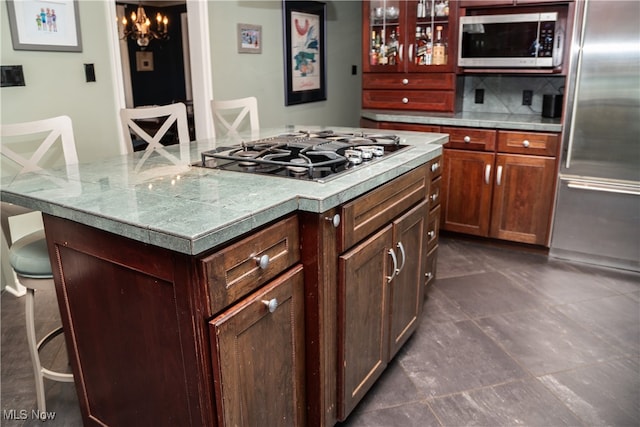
304 51
45 25
249 38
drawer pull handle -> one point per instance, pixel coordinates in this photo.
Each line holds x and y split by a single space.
334 220
431 234
262 261
435 166
525 143
405 81
401 247
405 100
467 139
272 304
395 265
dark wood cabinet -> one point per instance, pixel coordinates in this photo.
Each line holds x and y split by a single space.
381 270
399 43
257 348
507 194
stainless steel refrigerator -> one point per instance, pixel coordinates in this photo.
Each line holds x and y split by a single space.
597 215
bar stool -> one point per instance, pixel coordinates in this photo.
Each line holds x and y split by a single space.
27 256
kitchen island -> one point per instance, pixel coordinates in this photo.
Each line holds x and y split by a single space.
183 290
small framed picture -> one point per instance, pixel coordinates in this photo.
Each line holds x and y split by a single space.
51 25
144 60
249 38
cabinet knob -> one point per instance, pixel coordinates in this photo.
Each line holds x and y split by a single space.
334 220
405 100
405 81
525 143
434 197
435 166
272 304
431 234
467 139
262 261
428 275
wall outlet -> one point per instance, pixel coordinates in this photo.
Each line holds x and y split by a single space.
527 96
479 96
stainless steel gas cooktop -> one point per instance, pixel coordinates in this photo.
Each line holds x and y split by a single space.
313 156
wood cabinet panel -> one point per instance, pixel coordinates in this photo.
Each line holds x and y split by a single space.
433 228
434 192
234 271
433 81
467 188
128 312
399 126
258 357
431 267
407 288
423 100
523 198
363 310
365 215
539 144
470 139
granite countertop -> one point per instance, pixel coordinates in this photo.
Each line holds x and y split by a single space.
524 122
162 200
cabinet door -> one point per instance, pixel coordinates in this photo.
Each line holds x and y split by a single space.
523 198
409 236
363 310
466 191
383 35
258 356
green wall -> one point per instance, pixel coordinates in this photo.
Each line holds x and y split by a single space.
55 81
55 85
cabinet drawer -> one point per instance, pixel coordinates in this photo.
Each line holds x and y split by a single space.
408 126
435 168
432 263
470 139
542 144
368 213
434 192
437 81
433 228
428 100
235 270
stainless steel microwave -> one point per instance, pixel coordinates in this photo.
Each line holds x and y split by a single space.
521 40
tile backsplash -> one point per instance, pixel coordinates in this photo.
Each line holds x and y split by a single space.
503 94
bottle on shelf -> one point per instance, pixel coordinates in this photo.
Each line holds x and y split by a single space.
439 49
423 46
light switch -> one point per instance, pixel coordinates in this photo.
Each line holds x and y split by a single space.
90 72
12 75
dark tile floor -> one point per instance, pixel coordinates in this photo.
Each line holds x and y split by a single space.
507 338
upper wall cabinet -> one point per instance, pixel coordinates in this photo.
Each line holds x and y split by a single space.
409 35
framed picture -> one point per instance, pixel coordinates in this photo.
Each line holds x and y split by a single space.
44 25
249 38
304 51
144 60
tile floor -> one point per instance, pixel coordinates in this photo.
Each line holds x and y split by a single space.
507 338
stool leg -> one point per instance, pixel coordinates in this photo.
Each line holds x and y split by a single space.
33 349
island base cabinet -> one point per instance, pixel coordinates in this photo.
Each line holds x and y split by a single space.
257 347
380 297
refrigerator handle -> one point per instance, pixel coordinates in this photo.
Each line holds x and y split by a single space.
607 188
574 110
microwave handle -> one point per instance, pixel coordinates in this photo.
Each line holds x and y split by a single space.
558 48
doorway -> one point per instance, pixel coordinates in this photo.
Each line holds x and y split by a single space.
195 73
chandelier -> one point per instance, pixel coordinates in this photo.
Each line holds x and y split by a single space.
140 27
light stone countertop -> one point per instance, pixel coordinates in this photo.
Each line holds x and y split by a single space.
522 122
164 201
